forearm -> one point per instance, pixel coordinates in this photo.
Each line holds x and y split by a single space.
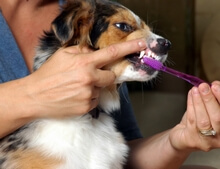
14 109
155 153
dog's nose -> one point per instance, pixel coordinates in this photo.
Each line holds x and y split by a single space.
159 46
163 45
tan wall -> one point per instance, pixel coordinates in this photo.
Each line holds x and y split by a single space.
207 14
205 10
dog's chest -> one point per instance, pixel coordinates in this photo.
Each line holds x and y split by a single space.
82 143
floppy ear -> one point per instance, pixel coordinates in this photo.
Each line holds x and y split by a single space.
73 25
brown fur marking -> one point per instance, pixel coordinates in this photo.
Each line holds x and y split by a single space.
33 159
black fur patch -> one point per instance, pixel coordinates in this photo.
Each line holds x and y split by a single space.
13 146
103 11
49 41
99 27
13 142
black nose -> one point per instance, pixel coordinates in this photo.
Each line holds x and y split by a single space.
163 45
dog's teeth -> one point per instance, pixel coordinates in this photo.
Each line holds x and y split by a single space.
142 54
153 55
149 53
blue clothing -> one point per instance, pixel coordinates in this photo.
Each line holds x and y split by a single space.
125 119
13 66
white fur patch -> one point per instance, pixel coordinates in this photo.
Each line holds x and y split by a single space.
109 100
130 74
82 142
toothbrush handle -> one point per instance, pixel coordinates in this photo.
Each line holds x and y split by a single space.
189 78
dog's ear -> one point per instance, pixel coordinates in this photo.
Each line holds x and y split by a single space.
73 25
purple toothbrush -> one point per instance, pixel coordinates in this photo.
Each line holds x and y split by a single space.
157 65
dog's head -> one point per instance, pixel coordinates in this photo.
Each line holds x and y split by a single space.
100 23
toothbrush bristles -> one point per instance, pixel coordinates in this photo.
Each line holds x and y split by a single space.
155 64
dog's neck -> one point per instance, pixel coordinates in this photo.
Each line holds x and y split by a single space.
109 99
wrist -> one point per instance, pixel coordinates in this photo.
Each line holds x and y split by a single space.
159 151
181 153
30 109
15 106
168 152
17 99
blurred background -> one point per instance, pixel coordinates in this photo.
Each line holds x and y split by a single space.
193 27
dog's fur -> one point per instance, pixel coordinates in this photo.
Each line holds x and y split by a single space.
84 142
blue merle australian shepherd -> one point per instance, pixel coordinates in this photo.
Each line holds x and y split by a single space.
85 142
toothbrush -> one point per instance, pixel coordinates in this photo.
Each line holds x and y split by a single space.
157 65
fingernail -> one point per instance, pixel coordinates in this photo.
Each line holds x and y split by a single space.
205 89
216 87
195 90
142 44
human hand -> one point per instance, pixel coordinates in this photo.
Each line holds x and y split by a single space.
203 113
69 82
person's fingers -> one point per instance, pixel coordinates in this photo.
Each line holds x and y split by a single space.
111 53
216 90
95 93
76 49
216 82
202 117
190 112
211 105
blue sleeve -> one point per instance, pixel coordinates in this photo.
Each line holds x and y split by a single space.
125 120
12 64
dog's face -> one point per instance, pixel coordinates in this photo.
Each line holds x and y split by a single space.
100 23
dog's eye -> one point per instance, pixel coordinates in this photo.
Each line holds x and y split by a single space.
124 27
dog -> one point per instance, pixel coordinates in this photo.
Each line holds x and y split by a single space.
85 142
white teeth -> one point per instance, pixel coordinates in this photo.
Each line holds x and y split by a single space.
149 54
153 55
142 53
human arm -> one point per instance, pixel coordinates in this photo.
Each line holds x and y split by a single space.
155 152
69 82
170 148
